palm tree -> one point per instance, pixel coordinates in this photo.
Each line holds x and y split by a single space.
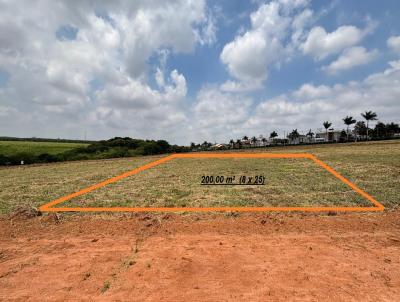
232 142
294 134
273 135
326 126
245 141
264 140
348 120
369 116
253 140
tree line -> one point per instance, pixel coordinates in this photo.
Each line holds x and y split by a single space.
112 148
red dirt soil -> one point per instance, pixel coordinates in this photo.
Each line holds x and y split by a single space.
213 257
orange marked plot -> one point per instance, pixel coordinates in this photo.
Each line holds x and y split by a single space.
376 206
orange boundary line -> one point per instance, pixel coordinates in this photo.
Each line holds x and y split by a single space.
49 207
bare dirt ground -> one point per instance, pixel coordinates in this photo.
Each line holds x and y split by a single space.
214 257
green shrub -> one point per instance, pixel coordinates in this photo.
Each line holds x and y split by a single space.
46 158
4 160
27 158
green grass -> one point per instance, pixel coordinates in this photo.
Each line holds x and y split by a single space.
8 148
374 167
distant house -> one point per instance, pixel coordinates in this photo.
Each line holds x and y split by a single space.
331 136
261 142
250 143
246 142
319 139
219 146
301 139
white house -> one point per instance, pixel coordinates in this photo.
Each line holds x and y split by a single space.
330 136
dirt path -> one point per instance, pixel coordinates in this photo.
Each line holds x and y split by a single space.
349 257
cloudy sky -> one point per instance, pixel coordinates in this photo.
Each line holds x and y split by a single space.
194 70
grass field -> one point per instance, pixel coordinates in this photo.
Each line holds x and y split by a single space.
289 182
374 167
8 148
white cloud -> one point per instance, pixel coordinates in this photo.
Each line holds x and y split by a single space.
321 44
214 107
278 29
350 58
300 22
309 91
238 86
289 5
308 106
136 95
218 114
98 79
250 54
394 43
6 111
247 57
136 108
162 24
207 33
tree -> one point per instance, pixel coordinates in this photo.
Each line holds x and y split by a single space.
273 135
348 120
205 145
192 146
380 130
343 136
245 138
163 145
326 126
232 142
264 140
369 116
392 128
253 139
310 135
294 134
239 143
360 128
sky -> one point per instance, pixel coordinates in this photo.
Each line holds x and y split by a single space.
189 71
